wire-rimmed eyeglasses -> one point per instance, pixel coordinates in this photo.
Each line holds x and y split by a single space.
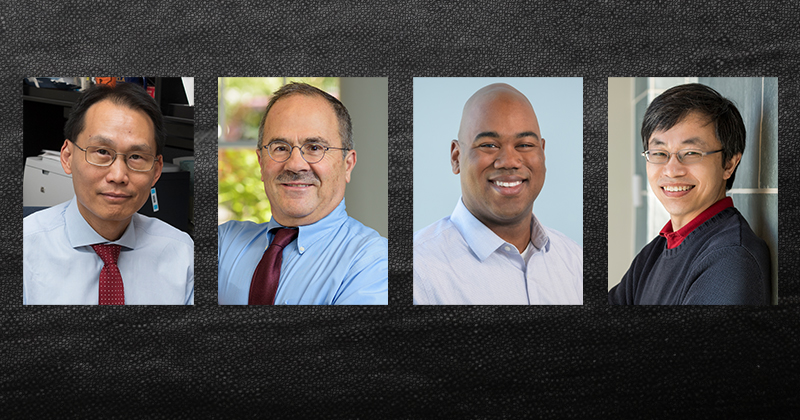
685 156
280 151
105 156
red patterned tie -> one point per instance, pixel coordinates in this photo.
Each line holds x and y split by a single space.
268 273
112 291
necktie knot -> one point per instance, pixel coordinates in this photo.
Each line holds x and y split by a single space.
283 237
108 253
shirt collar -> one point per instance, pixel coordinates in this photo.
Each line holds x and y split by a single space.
310 234
80 233
481 240
675 238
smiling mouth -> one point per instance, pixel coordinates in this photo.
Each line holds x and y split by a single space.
677 189
507 184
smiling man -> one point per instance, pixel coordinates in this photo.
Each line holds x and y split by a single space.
492 248
311 252
706 254
95 248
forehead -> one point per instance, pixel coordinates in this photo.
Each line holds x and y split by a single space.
694 130
118 124
298 117
504 114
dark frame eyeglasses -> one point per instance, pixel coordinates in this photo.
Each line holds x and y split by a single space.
100 153
281 151
685 156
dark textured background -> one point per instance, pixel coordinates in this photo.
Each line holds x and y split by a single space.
400 361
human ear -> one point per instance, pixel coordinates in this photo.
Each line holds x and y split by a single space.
731 165
455 154
66 157
350 163
159 165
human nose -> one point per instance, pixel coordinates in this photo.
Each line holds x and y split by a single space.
296 162
674 167
118 170
507 157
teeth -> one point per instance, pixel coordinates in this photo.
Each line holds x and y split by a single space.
676 189
507 184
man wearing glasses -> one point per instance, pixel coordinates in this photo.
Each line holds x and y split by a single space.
311 252
493 250
95 248
706 254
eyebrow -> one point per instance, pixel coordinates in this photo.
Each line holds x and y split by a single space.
692 141
97 138
494 135
319 140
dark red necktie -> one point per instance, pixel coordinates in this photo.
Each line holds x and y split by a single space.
112 291
268 273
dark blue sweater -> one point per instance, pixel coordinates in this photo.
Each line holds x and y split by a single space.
721 262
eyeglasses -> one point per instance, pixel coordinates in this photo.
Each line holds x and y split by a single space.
105 156
685 156
280 151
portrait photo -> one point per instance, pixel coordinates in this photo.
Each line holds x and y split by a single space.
693 190
107 190
498 190
303 191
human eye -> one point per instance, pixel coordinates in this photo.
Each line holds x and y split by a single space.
658 154
279 147
487 146
526 146
314 147
692 153
135 157
100 151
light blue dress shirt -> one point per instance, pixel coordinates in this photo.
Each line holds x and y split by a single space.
60 267
335 261
460 261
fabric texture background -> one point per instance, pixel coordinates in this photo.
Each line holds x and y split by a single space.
398 361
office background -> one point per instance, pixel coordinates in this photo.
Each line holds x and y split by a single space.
558 103
47 103
401 361
635 216
367 194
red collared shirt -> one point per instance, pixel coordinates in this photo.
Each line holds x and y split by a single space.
675 238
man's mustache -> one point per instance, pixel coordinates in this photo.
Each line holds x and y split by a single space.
304 177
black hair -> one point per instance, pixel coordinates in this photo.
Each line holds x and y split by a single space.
294 88
675 104
125 94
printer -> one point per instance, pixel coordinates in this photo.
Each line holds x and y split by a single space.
45 183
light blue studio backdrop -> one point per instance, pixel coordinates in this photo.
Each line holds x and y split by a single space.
558 103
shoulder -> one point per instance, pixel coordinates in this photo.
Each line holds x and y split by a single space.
44 221
156 228
562 243
435 235
233 229
365 236
733 236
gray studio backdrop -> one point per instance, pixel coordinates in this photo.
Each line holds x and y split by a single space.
558 103
635 216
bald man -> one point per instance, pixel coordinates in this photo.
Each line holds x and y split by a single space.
492 250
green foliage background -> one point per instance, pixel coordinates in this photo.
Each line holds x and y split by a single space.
240 188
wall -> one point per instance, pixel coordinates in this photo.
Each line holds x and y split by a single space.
367 194
620 198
